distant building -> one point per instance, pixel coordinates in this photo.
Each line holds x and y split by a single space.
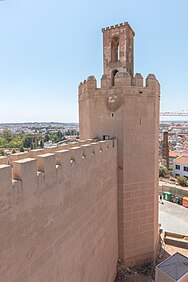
49 144
173 155
180 165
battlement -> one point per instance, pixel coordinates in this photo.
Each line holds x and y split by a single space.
52 199
8 160
121 25
45 169
122 79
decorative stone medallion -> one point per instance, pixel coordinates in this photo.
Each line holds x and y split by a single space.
113 102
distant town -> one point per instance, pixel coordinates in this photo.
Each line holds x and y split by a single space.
19 137
173 151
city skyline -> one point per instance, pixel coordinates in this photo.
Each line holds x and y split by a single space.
47 48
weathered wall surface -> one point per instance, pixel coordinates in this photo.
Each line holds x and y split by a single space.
58 217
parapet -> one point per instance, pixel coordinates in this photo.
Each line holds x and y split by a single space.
138 80
151 81
32 175
4 160
121 25
90 84
123 78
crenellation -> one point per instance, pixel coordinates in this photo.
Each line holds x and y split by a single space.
87 150
6 178
152 82
123 78
76 154
25 169
91 82
62 157
3 160
46 163
17 156
26 177
83 87
137 80
125 24
34 153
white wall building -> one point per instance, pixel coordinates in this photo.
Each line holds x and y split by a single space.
180 165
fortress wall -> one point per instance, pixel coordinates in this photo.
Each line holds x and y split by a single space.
34 153
58 215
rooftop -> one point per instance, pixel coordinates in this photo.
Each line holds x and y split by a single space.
175 266
181 160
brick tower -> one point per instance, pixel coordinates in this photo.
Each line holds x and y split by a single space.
126 109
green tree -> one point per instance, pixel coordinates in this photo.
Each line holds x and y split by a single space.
182 181
2 153
59 135
46 138
41 144
171 167
28 142
7 134
13 151
162 171
21 149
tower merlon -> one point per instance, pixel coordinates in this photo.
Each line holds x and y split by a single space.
25 169
3 160
17 156
46 163
105 81
91 82
6 178
62 157
123 78
35 153
138 80
152 82
123 25
87 150
76 155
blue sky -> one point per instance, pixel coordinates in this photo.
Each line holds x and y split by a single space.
48 47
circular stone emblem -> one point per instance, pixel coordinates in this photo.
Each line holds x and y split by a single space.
113 102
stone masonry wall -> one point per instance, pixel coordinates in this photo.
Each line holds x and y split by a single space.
58 215
128 111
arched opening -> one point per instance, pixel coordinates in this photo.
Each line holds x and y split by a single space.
113 77
115 50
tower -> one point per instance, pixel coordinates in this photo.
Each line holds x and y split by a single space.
165 148
118 52
126 109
